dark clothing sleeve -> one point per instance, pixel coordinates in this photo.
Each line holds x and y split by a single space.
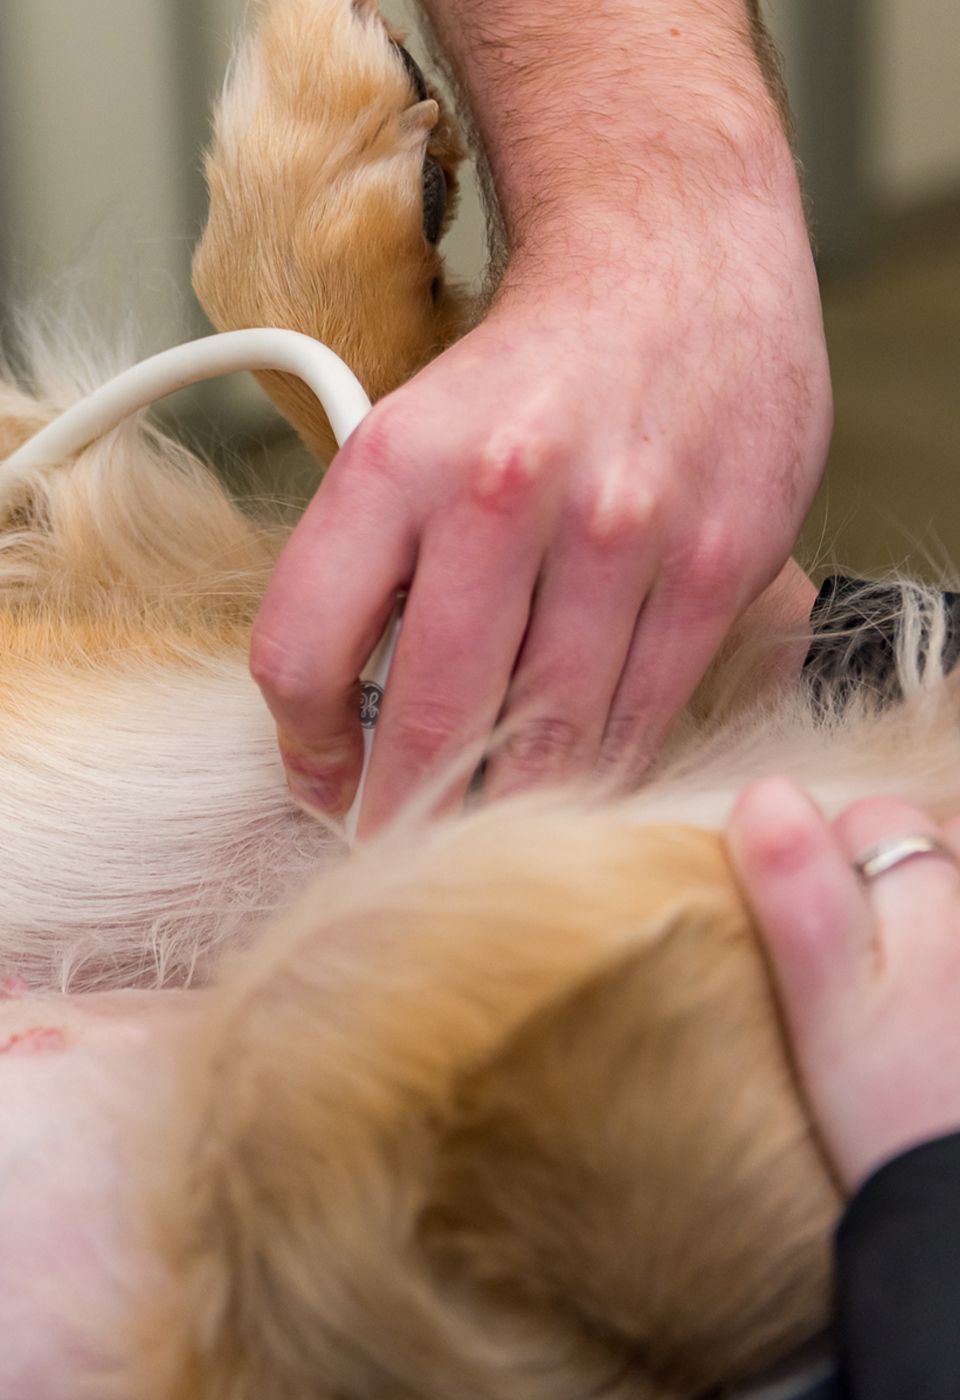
898 1280
898 1247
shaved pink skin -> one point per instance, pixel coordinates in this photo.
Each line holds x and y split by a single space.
86 1084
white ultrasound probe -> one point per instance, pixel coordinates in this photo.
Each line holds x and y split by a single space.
337 388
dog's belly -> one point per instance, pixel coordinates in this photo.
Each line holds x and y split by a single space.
78 1075
144 824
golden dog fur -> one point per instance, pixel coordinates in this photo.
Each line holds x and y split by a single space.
500 1108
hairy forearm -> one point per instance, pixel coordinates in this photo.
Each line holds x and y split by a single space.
577 103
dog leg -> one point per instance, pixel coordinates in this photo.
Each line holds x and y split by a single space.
480 1129
332 177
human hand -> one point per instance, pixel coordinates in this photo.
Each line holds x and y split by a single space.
868 973
582 495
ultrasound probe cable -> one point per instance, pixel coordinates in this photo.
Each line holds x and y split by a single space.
335 386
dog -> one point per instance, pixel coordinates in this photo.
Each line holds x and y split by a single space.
497 1106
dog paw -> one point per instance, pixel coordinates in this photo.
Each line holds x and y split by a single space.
332 176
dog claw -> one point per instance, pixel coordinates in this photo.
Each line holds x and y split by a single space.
416 122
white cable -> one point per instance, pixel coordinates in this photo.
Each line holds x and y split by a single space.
336 387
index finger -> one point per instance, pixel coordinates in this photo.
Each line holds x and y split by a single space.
327 603
463 626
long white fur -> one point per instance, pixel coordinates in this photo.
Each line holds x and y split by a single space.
144 818
143 823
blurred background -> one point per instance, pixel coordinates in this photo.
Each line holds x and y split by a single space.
103 113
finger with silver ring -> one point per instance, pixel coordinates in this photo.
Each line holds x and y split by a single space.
908 866
897 850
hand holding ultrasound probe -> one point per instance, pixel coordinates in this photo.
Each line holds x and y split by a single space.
587 490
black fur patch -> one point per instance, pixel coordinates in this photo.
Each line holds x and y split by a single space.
414 72
855 626
434 199
434 180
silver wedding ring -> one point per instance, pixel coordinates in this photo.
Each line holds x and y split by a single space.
887 855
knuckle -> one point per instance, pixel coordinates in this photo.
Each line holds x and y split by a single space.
543 745
631 741
618 510
373 447
270 668
283 679
422 730
510 466
624 745
710 574
622 729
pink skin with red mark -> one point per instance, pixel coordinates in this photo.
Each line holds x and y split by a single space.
34 1039
89 1091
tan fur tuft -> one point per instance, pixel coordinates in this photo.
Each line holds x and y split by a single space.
316 202
494 1100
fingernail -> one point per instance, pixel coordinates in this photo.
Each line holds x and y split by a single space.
329 796
319 783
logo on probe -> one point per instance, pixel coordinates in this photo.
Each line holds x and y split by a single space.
371 696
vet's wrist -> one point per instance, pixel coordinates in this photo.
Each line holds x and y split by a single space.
683 187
